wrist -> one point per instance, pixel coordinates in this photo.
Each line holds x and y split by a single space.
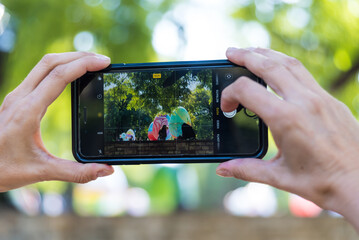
345 198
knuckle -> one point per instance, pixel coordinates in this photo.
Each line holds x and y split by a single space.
49 59
292 62
26 112
278 112
33 106
315 103
339 107
84 53
8 100
58 72
269 65
289 113
241 84
342 106
287 119
262 50
85 178
21 115
240 87
241 173
244 52
234 90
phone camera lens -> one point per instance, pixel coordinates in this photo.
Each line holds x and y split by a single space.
230 114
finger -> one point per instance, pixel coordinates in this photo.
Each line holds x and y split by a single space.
55 82
70 171
45 66
293 65
248 169
274 74
252 96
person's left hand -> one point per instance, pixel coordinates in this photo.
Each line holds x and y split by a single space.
23 156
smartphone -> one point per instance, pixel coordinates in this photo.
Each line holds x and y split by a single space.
165 112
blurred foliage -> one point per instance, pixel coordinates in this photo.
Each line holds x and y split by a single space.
324 35
164 191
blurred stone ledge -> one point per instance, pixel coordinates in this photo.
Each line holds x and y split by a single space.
198 226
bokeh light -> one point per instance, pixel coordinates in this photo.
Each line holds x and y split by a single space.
104 197
342 60
53 204
353 7
26 200
298 17
84 41
165 39
7 34
111 5
255 199
93 3
301 207
138 202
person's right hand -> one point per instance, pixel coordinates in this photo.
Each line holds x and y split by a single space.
316 135
23 156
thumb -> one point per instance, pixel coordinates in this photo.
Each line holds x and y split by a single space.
248 169
70 171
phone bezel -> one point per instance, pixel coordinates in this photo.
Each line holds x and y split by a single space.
263 147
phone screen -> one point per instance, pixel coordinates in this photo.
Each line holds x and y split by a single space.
163 112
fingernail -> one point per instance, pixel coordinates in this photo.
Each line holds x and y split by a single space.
251 48
103 57
231 49
103 173
224 172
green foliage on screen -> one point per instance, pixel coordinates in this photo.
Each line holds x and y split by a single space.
133 100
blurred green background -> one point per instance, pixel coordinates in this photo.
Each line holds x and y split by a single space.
324 35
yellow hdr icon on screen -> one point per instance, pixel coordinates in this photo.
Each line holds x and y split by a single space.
157 75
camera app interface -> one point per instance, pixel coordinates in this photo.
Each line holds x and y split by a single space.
169 112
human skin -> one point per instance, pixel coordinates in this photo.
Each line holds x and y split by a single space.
23 156
316 135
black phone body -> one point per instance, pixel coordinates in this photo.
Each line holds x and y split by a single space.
165 112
